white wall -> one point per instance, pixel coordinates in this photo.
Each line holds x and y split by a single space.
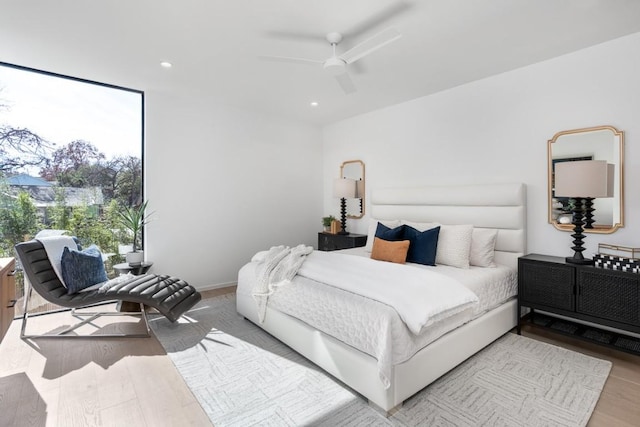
496 130
225 183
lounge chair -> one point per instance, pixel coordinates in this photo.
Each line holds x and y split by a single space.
169 295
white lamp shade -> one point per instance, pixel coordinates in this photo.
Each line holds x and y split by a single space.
344 188
359 189
585 178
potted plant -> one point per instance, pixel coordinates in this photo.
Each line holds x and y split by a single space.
326 222
134 218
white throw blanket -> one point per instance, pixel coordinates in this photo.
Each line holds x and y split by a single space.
277 267
425 296
54 246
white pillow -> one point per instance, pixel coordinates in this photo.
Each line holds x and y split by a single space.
483 244
54 246
420 226
373 225
454 245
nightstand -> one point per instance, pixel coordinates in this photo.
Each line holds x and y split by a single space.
596 295
333 242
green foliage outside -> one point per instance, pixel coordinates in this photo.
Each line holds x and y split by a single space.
18 220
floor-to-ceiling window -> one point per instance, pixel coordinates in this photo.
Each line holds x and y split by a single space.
71 158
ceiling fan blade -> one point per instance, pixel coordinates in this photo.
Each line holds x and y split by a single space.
346 83
384 15
290 59
288 35
370 45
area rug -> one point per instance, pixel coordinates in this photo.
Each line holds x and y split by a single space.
242 376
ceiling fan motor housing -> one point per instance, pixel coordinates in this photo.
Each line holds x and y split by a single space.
335 65
334 38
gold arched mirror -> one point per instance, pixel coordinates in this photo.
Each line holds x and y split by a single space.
596 143
354 169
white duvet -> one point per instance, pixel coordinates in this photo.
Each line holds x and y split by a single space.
420 297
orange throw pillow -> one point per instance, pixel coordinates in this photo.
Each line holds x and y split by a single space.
384 250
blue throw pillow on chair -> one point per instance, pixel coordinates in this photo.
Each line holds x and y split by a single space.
81 269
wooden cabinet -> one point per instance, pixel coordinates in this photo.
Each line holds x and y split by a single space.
7 293
333 242
592 294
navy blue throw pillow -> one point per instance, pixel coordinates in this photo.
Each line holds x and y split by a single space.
390 234
81 269
423 245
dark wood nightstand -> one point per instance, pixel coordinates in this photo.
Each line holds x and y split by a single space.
593 294
333 242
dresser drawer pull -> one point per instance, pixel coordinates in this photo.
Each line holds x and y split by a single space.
12 303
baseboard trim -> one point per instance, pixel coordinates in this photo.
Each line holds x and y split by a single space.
216 286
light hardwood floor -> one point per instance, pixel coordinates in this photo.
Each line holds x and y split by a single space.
117 382
92 382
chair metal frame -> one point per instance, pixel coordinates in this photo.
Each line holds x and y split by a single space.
91 317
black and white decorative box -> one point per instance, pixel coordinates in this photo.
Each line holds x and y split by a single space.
620 258
616 263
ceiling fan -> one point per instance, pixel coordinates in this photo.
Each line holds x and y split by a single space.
336 64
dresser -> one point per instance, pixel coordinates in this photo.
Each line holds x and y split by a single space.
7 293
334 242
597 295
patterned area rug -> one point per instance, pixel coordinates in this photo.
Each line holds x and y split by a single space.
242 376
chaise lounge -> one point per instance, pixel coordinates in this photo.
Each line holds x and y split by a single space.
169 295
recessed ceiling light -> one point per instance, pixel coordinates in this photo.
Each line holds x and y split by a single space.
314 104
166 64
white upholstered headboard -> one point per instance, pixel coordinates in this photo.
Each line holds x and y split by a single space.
499 206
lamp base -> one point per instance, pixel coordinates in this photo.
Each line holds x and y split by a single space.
577 235
588 212
343 216
344 233
579 261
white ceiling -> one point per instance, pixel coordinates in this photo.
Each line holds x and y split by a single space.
214 45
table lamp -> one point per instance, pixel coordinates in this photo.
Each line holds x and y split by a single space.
580 180
344 188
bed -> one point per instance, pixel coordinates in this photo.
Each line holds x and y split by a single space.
390 376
